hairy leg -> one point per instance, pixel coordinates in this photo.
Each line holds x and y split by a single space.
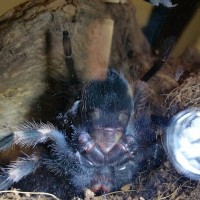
30 134
17 170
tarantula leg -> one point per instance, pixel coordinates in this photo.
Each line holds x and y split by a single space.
124 150
31 134
90 150
17 170
6 141
68 57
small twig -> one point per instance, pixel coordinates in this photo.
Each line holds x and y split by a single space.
117 192
33 193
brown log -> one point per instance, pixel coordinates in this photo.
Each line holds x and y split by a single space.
32 61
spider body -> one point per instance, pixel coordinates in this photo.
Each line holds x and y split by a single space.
103 150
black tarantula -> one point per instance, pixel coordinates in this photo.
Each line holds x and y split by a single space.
100 146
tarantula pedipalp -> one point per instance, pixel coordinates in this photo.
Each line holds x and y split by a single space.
102 152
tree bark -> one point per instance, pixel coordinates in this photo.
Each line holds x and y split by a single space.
31 52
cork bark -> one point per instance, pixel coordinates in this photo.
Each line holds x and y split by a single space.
31 49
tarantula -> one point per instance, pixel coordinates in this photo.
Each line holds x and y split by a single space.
100 146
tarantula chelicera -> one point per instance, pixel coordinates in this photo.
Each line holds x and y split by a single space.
104 149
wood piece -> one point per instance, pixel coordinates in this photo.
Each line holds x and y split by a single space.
115 1
31 53
99 47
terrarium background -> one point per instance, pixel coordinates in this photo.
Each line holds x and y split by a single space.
190 36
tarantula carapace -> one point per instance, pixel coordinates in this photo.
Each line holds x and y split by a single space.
104 148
